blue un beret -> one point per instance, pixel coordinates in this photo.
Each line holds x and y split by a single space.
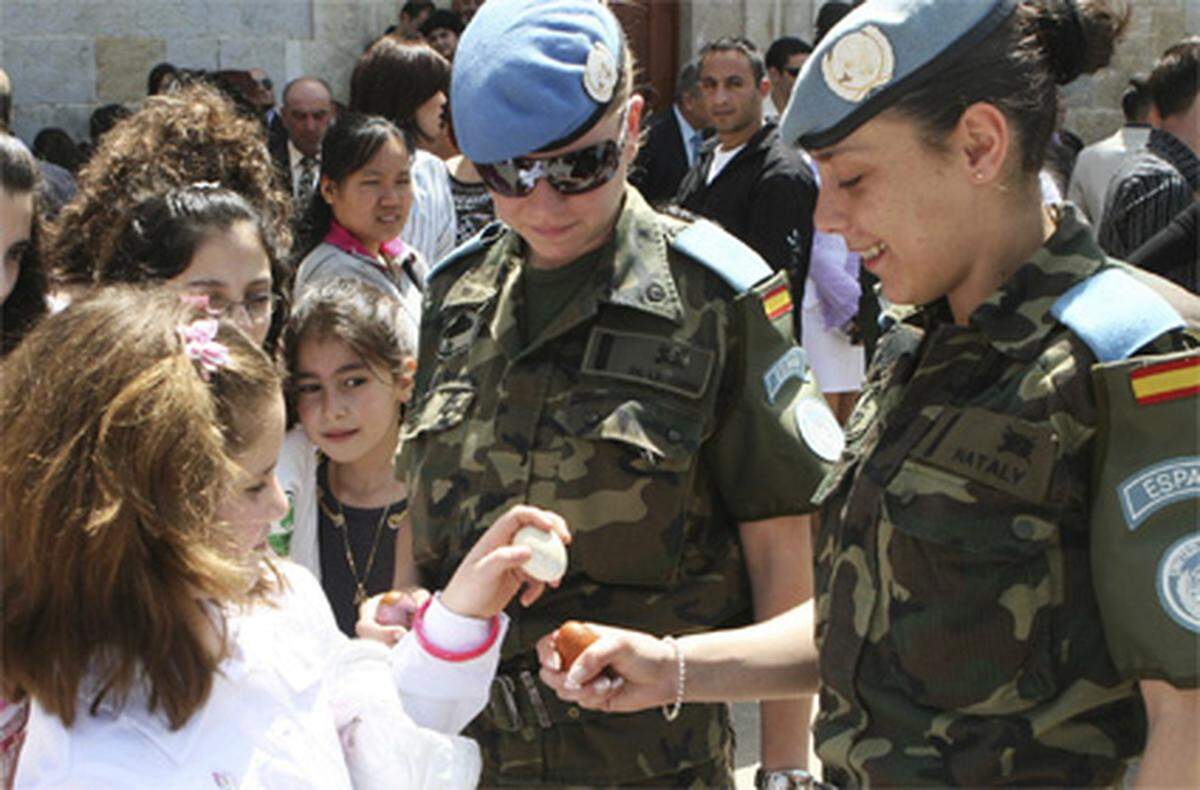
533 75
875 55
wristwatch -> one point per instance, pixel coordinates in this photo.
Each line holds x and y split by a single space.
783 779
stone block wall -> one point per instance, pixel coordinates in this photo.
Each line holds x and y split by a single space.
67 57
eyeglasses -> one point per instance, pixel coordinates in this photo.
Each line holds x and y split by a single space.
258 307
795 72
572 173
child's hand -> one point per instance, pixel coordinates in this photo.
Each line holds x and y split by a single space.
490 575
387 621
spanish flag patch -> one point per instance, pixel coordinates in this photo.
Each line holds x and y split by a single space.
777 302
1167 381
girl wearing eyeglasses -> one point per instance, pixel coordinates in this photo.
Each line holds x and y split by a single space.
635 372
352 228
203 241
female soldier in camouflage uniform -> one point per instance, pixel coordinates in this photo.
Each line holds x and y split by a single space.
632 372
1007 586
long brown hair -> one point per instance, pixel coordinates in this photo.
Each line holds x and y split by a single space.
117 453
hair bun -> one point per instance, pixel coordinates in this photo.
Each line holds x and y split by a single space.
1060 31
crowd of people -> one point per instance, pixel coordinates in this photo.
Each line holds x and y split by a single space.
851 375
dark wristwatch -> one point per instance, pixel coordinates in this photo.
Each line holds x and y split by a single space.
783 779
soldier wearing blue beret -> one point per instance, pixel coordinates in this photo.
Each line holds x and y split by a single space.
633 372
1008 560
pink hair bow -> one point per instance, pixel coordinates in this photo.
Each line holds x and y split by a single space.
201 346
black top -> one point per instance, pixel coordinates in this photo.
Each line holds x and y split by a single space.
766 196
1174 251
473 208
336 577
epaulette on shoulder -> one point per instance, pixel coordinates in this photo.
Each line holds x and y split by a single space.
485 238
723 253
1115 314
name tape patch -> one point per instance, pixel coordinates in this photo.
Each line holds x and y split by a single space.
792 365
1155 487
1179 582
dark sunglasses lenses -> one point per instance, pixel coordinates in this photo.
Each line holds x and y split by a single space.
571 174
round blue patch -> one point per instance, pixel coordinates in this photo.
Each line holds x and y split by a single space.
1179 581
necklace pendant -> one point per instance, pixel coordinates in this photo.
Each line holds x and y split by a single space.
360 595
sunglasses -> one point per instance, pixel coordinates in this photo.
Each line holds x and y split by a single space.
572 173
795 72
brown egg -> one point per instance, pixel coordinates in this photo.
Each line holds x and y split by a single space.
393 611
571 639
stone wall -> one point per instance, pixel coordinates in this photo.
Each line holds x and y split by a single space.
66 57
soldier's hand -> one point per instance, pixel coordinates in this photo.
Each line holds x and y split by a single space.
490 575
621 672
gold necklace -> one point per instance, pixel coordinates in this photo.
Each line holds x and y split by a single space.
339 521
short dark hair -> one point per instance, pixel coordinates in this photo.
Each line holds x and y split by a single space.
394 78
1136 100
157 74
830 14
346 148
1174 81
415 8
443 19
784 49
104 118
688 82
55 145
736 44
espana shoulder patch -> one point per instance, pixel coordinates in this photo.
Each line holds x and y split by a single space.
1153 488
726 255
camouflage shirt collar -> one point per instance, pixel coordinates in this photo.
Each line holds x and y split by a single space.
641 275
1016 318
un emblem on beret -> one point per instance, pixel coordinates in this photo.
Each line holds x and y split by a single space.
859 63
1179 582
600 74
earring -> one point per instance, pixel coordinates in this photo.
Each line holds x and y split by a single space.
978 176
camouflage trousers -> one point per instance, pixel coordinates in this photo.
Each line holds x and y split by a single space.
529 737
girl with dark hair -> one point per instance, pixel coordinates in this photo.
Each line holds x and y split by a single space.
201 240
350 360
159 642
22 281
354 221
407 83
1006 577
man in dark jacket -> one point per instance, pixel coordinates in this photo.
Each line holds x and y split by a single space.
675 140
750 182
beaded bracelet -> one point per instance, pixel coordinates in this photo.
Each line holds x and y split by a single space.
672 713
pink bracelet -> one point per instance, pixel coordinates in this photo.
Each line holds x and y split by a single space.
418 628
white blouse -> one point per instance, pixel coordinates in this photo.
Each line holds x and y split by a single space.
295 705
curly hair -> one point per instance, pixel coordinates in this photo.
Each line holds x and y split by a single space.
117 456
187 136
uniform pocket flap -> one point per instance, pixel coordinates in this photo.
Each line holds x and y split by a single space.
443 408
658 430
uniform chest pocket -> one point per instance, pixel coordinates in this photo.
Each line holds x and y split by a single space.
969 577
624 474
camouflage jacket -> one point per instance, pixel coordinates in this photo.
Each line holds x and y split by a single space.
657 412
959 636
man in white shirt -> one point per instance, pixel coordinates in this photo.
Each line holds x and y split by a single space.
1098 163
784 59
306 114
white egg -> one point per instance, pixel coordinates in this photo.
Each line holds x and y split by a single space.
549 560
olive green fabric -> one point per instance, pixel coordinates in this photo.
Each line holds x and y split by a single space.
547 291
959 635
643 414
1145 543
